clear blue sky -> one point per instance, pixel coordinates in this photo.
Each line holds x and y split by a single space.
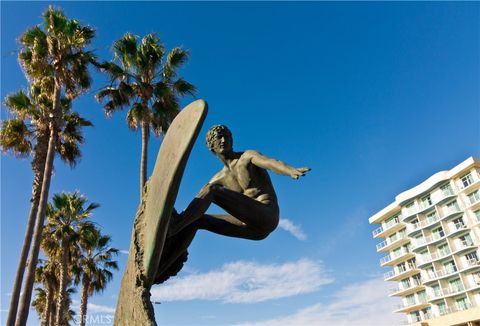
374 97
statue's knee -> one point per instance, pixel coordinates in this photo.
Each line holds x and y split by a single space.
260 235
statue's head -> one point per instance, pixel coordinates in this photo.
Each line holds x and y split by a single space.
219 139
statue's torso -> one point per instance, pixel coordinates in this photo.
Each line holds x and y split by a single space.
243 176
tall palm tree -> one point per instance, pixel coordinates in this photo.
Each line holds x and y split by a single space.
68 221
26 133
46 275
55 57
95 262
149 86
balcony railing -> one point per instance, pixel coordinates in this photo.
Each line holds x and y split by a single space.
402 287
457 227
412 303
464 244
393 255
441 273
454 290
398 271
397 220
389 241
434 256
423 241
472 262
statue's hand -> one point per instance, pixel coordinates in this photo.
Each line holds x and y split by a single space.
299 172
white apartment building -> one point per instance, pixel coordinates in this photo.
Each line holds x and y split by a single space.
431 245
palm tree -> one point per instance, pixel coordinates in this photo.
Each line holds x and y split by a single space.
95 262
55 58
67 223
147 85
25 133
46 275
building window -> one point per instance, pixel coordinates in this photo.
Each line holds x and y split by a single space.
432 217
415 316
417 279
410 207
446 190
425 256
427 313
427 201
436 290
452 207
456 285
443 250
422 296
476 278
410 299
430 272
438 233
477 215
462 303
467 180
391 221
474 197
458 223
442 308
466 240
449 267
472 258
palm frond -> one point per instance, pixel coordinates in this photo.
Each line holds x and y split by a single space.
175 58
15 136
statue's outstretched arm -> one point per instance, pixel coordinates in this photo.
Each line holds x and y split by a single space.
276 166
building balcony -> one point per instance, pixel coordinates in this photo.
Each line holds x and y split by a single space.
457 228
401 272
423 242
446 272
472 185
395 225
412 306
389 243
471 263
452 309
433 257
464 245
448 292
395 257
446 194
449 212
402 290
411 228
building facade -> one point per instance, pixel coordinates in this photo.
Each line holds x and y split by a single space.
431 245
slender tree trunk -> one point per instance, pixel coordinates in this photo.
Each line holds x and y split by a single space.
144 156
38 166
37 235
62 291
51 317
84 300
48 306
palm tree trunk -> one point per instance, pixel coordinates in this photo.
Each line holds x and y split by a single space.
51 318
38 165
37 235
48 306
84 300
144 156
62 291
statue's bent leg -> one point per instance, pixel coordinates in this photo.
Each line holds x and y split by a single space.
174 248
254 214
229 226
249 218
